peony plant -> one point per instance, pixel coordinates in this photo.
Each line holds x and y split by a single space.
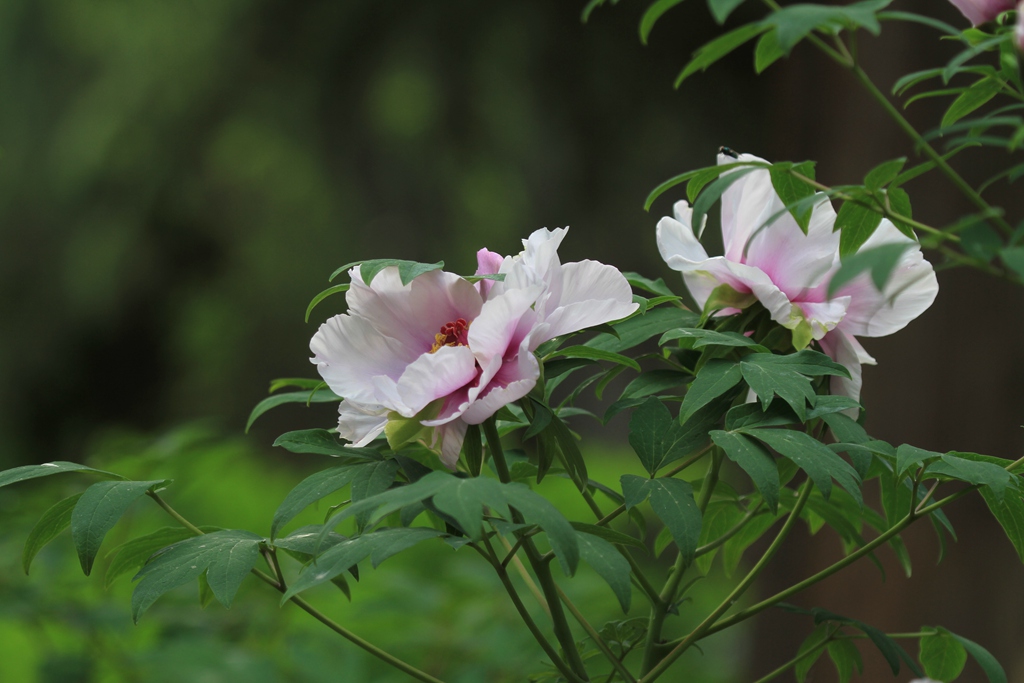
457 397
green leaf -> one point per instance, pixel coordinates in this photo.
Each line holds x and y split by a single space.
884 173
311 489
843 427
751 415
336 289
574 461
1009 512
372 479
981 473
658 438
407 270
892 652
880 261
796 22
346 554
226 557
989 664
920 19
713 380
858 223
846 657
656 287
473 449
908 456
98 510
721 9
53 521
297 382
1012 258
372 500
942 655
810 651
714 192
755 461
981 241
974 97
673 503
639 329
609 564
465 500
651 16
321 442
306 541
318 396
668 185
710 338
792 191
592 353
732 551
131 556
719 518
653 381
718 48
26 472
768 51
813 457
771 378
537 510
899 202
806 362
609 535
541 419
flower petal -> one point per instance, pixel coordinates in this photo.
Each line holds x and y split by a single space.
845 349
412 313
435 375
909 292
793 260
360 423
488 263
350 355
743 204
591 293
450 437
702 277
823 316
513 381
676 238
980 11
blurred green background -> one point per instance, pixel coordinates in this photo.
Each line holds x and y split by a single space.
178 179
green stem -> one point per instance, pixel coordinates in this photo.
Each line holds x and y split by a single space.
884 210
598 640
705 626
540 568
309 609
928 150
659 609
704 549
524 613
796 660
174 513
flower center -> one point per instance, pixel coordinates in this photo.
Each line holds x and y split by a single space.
455 333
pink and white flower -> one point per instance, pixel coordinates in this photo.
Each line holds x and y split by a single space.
980 11
449 353
788 271
1019 33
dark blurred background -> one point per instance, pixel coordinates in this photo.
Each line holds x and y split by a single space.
178 179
